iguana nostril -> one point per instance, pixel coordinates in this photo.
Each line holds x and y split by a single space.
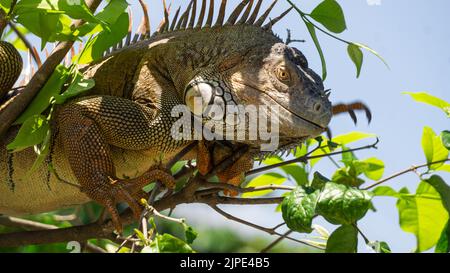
317 107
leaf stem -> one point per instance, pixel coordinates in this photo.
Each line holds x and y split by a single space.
410 169
306 158
267 230
306 19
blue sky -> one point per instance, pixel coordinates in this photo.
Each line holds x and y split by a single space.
414 39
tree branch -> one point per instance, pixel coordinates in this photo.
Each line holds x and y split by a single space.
306 157
271 231
9 221
3 21
274 243
410 169
189 194
27 43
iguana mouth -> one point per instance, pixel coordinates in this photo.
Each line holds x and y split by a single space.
285 108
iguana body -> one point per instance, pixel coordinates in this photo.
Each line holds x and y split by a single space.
110 142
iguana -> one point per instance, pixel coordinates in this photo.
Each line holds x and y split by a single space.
111 141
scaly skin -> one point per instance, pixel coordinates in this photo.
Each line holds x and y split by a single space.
110 142
10 66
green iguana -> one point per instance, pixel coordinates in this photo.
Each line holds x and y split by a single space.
108 143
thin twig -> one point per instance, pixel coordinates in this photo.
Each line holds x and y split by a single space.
267 230
10 221
226 186
15 222
366 240
27 43
279 239
3 21
152 210
305 158
410 169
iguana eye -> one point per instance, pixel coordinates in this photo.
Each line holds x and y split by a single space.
198 96
283 74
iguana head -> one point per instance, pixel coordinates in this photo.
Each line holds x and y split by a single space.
245 64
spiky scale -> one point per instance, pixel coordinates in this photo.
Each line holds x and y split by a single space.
210 14
165 25
193 13
252 18
237 11
272 22
175 18
246 13
201 17
221 15
185 17
265 14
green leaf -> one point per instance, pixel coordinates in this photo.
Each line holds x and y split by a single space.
443 244
298 209
43 99
380 247
343 240
5 5
385 191
347 176
433 148
263 180
442 188
51 20
351 137
41 151
19 44
319 152
95 48
32 132
78 86
431 100
111 13
348 157
297 172
356 56
189 233
140 235
300 151
48 26
423 215
372 168
445 135
319 181
444 168
167 243
340 204
329 13
373 52
312 32
77 9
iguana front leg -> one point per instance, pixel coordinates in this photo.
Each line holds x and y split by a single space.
88 128
210 155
